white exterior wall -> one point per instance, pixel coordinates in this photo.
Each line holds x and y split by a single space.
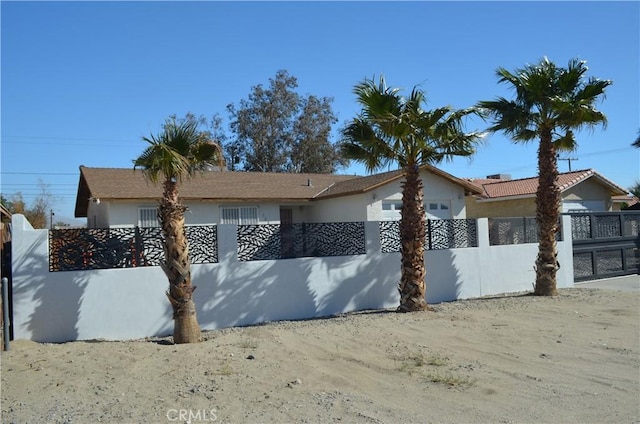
339 209
98 214
357 207
434 189
119 304
126 214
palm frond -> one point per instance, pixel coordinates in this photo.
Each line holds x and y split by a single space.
394 128
547 96
178 151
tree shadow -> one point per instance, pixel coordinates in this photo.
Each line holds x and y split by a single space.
57 296
372 285
255 292
233 293
444 281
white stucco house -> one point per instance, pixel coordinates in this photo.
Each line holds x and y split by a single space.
111 197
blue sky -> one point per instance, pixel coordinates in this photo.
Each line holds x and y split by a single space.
82 82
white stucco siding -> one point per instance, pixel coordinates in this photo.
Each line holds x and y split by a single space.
126 213
204 213
439 189
435 189
340 209
98 214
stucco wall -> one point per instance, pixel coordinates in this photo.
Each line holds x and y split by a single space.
589 190
340 209
125 214
503 208
117 304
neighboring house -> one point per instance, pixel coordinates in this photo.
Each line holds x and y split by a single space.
627 202
581 191
110 197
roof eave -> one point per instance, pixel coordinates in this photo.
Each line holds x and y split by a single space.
481 199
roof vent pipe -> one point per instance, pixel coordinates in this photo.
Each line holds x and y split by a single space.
309 182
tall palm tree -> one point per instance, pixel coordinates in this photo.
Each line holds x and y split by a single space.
179 151
395 129
551 103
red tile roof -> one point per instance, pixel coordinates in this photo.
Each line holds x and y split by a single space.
498 188
630 200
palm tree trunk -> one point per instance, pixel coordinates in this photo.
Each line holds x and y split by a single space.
547 217
177 266
412 287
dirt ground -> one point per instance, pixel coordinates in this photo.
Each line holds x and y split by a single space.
574 358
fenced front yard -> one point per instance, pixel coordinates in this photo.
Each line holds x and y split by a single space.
88 284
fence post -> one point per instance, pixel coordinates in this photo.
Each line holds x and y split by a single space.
5 312
482 228
138 247
304 239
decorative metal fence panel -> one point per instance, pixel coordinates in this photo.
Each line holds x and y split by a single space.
451 233
103 248
390 236
605 244
441 234
585 226
282 241
512 231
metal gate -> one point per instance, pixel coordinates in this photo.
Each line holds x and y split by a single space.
605 244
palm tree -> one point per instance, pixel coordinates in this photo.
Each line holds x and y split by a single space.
551 103
391 128
179 151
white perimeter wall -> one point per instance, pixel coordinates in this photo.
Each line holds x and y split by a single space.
120 304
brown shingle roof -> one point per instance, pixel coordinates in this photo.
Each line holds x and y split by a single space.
364 184
123 184
494 189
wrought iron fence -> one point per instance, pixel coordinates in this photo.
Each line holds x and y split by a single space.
282 241
519 230
441 234
605 244
103 248
586 226
512 231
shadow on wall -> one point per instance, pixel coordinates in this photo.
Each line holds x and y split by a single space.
263 291
57 298
290 289
252 292
360 284
443 278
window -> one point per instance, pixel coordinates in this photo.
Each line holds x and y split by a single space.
391 210
148 217
391 206
246 215
435 209
438 209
